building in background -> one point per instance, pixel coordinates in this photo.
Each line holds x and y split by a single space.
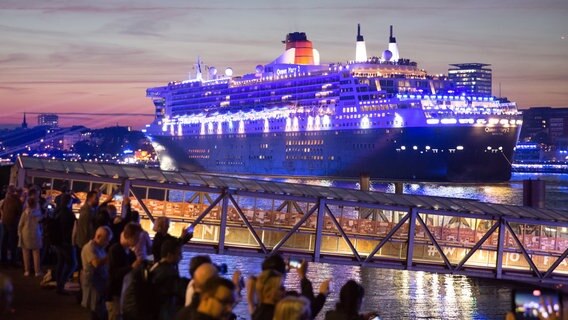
471 78
69 140
545 125
48 119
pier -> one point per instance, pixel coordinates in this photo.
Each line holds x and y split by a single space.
333 225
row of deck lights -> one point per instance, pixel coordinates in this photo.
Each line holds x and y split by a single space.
445 97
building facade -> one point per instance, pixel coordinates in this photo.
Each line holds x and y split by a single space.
48 119
545 125
472 78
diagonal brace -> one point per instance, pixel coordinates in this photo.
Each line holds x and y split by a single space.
211 206
343 234
247 223
387 237
294 229
556 264
477 245
431 237
523 250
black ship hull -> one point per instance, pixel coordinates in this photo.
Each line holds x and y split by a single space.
441 153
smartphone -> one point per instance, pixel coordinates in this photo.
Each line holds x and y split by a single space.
50 207
118 197
190 229
294 264
536 304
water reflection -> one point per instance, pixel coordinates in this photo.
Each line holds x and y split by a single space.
394 294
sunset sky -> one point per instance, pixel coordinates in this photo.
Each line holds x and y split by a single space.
100 56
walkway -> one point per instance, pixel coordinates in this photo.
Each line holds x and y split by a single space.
32 302
333 225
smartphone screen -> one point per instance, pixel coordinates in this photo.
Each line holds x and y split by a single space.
536 304
190 229
118 197
294 264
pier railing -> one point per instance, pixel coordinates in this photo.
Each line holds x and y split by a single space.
249 217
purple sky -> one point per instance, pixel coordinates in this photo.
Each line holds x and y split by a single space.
100 56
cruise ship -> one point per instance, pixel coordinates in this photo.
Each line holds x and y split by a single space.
377 116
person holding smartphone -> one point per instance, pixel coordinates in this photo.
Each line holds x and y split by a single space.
161 227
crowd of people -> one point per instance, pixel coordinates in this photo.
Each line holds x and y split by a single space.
124 274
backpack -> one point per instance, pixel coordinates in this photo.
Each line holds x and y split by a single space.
137 298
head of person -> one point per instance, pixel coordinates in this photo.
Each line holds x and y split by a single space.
135 216
218 298
33 197
66 201
293 308
93 198
202 274
103 235
197 261
161 225
6 294
275 262
351 297
171 251
130 235
270 287
65 188
111 208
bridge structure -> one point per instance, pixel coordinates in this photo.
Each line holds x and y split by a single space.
333 225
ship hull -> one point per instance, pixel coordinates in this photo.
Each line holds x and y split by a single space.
458 153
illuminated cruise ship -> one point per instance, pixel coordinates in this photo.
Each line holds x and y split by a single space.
378 116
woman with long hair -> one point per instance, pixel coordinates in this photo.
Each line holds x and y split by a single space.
30 233
293 308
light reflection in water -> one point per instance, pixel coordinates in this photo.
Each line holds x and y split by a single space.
394 294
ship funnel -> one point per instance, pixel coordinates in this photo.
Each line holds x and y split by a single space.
299 50
360 48
393 47
198 75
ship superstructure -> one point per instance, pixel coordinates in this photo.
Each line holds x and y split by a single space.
381 116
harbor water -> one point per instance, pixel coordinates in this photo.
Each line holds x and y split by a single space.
399 294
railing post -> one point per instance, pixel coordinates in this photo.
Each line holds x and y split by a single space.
500 246
319 229
21 177
223 225
411 232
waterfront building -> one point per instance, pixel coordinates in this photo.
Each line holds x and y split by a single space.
471 78
545 125
48 119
